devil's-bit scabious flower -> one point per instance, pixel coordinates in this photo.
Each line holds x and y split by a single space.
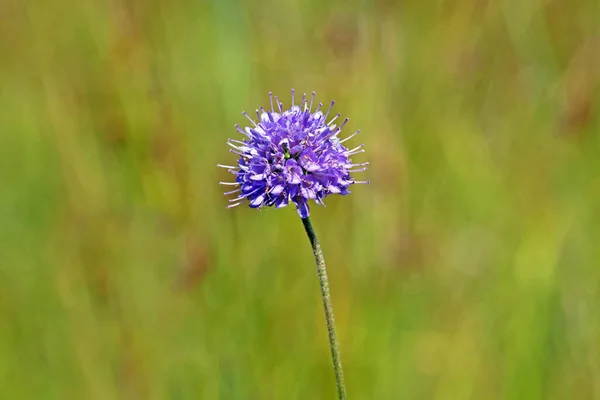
292 156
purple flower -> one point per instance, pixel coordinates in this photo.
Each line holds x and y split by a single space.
292 156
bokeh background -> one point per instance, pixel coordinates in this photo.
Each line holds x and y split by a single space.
468 268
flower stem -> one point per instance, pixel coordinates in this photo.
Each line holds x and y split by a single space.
324 282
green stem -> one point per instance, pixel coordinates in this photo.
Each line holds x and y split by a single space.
324 282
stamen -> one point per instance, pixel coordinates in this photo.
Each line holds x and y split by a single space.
311 102
245 195
358 169
279 104
362 182
271 101
232 192
226 166
351 136
245 114
330 107
334 132
234 205
243 132
330 135
268 114
240 154
354 150
234 146
334 118
320 201
236 141
229 183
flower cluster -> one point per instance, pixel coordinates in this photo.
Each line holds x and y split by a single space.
292 156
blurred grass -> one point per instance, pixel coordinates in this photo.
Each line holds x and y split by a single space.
468 269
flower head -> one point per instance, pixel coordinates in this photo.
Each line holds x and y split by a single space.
292 156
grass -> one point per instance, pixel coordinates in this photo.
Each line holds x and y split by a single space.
467 269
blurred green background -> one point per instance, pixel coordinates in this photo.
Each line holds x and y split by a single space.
468 269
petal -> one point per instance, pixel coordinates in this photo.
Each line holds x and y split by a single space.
247 187
277 189
333 189
295 150
302 208
293 174
307 192
294 177
258 167
281 202
291 163
257 201
321 132
309 160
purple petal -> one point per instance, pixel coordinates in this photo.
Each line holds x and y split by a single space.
333 189
302 208
277 189
309 160
294 172
295 176
307 192
296 149
257 201
281 201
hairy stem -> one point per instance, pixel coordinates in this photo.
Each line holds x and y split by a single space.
324 282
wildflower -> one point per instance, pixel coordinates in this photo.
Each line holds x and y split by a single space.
291 156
